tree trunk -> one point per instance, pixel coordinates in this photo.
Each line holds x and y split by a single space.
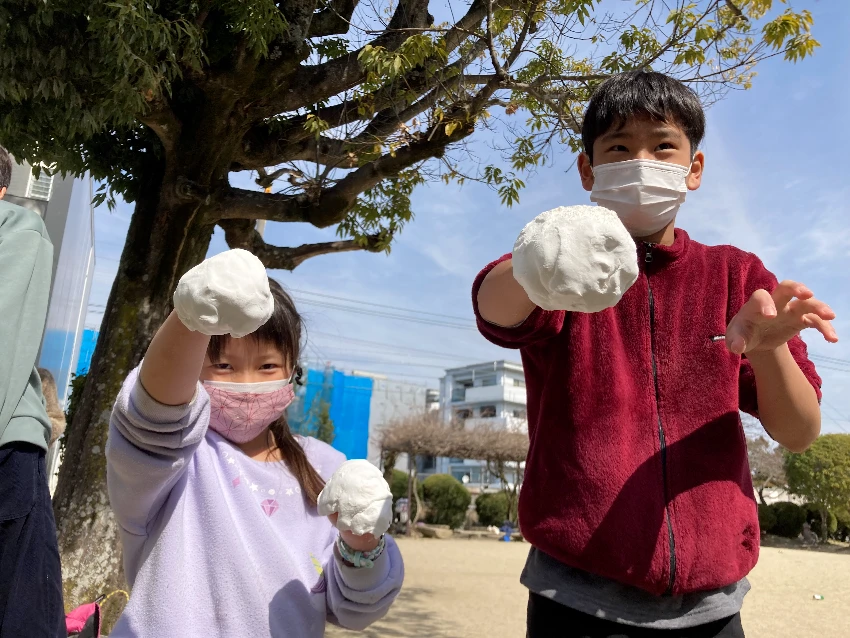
824 525
162 243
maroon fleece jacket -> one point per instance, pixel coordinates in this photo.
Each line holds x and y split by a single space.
637 468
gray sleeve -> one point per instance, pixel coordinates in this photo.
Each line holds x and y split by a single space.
357 597
26 262
149 448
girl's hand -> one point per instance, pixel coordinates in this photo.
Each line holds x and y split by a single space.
364 543
767 321
359 502
225 294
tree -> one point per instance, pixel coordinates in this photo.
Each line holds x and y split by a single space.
338 107
767 461
324 428
821 475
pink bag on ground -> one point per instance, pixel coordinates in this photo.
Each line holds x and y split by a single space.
84 621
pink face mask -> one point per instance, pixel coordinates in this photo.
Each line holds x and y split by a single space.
241 411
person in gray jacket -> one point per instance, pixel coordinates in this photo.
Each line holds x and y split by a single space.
30 574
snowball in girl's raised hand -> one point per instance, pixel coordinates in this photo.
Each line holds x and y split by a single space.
359 494
575 258
225 294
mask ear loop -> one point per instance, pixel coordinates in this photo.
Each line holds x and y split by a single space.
297 375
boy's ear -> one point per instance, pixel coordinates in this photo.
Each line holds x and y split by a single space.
694 178
585 171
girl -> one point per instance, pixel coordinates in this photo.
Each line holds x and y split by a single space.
216 498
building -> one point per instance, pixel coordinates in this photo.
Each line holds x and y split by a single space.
359 404
65 204
490 393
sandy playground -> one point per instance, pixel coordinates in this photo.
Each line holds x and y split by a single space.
470 588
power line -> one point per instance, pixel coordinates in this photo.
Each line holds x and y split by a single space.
386 315
392 346
377 305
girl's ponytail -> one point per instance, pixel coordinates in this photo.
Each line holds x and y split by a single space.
296 461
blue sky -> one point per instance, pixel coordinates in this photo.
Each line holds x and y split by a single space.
775 184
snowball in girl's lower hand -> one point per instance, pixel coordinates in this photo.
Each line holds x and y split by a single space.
225 294
575 258
359 494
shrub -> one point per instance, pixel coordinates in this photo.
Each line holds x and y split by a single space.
492 509
789 519
814 519
767 518
398 487
447 500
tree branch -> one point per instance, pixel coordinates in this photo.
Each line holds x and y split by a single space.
330 205
334 19
242 234
320 82
162 121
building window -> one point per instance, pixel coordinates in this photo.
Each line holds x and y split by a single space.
462 415
520 414
488 411
488 381
40 188
519 383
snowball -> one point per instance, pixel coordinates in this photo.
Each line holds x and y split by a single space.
575 258
225 294
359 494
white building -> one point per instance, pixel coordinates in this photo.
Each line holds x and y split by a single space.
391 399
490 393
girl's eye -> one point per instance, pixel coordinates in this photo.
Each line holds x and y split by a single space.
269 366
221 366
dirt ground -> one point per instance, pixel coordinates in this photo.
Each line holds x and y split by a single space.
470 588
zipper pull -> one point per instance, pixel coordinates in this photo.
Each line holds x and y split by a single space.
648 258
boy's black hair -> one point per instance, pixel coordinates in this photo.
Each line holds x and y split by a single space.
642 93
5 168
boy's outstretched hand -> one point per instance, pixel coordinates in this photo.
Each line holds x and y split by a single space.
768 321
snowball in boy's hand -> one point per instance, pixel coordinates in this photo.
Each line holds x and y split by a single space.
225 294
359 494
575 258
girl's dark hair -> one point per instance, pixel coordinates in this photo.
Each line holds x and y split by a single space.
642 93
283 331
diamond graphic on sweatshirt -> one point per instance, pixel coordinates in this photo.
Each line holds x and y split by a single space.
236 481
270 506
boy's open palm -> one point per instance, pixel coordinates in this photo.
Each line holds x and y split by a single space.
768 321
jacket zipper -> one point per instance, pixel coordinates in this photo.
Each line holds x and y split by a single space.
663 443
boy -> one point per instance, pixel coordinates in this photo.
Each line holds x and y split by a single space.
637 498
30 575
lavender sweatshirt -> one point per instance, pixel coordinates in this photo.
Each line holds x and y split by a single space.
218 544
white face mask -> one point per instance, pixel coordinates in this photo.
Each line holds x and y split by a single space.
645 194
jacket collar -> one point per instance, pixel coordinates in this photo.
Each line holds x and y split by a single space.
664 255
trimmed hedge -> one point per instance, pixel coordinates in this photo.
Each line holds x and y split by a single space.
492 509
767 518
789 519
447 500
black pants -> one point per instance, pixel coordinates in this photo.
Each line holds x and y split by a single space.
548 619
30 574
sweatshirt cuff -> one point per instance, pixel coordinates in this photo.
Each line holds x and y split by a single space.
364 578
156 413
